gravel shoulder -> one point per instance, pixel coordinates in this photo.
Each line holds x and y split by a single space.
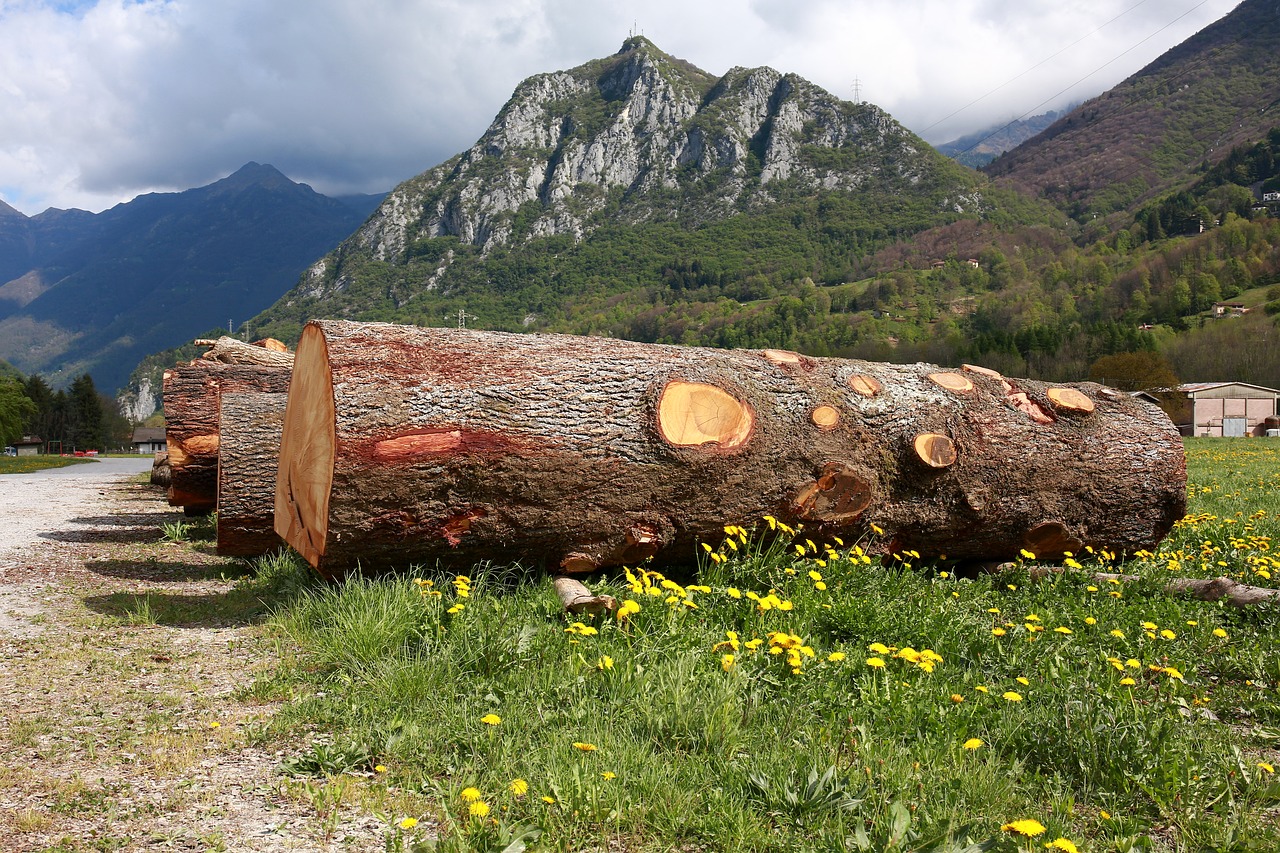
126 722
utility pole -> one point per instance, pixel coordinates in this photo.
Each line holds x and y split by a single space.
462 317
857 90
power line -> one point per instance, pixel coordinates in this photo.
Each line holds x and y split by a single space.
1017 77
1061 92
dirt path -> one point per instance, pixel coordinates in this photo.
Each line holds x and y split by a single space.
125 718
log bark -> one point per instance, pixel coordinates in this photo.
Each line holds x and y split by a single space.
249 427
575 597
267 352
405 445
191 407
160 468
1221 588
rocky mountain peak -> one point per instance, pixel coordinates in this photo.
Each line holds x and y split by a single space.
639 136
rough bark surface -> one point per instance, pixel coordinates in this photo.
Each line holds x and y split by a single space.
249 426
191 407
267 352
406 445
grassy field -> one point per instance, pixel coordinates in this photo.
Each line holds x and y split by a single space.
27 464
787 697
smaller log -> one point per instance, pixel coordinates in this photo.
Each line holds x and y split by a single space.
160 469
577 598
1233 593
249 426
267 352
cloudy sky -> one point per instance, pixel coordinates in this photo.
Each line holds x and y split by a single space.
101 100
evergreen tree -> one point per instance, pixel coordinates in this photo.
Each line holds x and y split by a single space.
84 415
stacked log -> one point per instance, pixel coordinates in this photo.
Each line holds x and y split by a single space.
249 426
191 408
160 469
403 445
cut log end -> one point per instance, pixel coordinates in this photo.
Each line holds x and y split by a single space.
952 382
866 386
695 414
935 450
307 448
839 495
825 418
1070 399
981 371
782 357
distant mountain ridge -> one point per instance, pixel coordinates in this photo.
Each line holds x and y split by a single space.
978 149
1147 135
84 292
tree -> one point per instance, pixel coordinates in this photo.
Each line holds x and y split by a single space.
15 409
84 415
1134 371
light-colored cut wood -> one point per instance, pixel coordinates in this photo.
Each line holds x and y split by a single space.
1070 399
982 371
825 418
575 597
305 473
935 450
867 386
952 382
782 357
227 350
694 414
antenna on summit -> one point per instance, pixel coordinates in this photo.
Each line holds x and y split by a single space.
857 90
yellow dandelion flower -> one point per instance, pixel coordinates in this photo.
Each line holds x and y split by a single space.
1127 681
875 663
1063 845
1023 681
836 657
1011 696
1061 630
1265 767
470 795
518 787
733 592
1027 554
1028 827
491 719
551 801
1150 626
972 743
1219 633
584 747
957 698
1168 635
408 823
628 609
981 689
478 809
604 663
999 632
726 662
1116 632
381 768
1089 620
608 774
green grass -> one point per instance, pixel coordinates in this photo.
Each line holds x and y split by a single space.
816 701
27 464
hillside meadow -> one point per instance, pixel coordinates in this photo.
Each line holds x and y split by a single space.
788 696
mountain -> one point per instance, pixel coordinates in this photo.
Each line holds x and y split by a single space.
629 170
86 292
1150 133
978 149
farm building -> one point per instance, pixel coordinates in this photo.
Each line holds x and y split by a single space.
29 445
1222 408
148 440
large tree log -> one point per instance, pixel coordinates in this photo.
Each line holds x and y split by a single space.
249 426
267 352
191 407
405 445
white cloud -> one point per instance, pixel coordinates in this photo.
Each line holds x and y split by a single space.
104 99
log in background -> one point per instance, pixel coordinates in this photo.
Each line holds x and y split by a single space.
191 405
460 446
249 426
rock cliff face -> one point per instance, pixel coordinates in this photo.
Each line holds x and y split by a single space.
640 136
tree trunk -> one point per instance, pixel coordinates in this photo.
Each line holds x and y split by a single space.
191 394
405 445
249 426
160 468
